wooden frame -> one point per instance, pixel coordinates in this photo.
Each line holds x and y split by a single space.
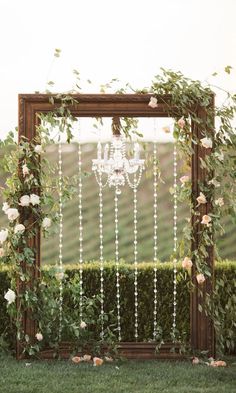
126 105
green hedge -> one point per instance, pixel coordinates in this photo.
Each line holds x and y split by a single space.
145 284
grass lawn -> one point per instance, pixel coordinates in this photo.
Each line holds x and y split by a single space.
126 377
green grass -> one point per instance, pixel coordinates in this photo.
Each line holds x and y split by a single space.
130 377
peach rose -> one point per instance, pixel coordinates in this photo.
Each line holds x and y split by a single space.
218 363
181 123
76 359
201 199
195 360
153 102
187 263
97 361
206 220
200 278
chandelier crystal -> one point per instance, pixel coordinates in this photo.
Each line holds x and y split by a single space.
112 162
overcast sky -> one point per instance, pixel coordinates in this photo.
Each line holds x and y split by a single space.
128 39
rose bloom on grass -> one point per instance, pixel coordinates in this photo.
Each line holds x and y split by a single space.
195 360
97 361
10 296
200 278
87 358
76 359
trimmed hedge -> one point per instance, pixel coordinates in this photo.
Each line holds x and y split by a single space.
91 277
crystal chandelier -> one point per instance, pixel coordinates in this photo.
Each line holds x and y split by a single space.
113 162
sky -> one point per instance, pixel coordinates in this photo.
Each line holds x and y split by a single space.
127 39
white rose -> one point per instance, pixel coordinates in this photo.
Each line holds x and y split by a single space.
200 278
39 336
24 200
3 235
2 252
219 202
19 228
12 214
153 102
25 170
184 179
187 263
201 199
34 199
83 325
46 223
206 220
10 296
206 142
5 207
38 149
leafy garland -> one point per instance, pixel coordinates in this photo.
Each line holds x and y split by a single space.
30 188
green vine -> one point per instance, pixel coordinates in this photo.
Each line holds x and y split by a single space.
31 201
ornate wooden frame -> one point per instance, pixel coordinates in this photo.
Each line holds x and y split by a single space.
127 105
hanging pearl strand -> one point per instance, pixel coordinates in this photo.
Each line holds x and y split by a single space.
117 264
175 243
101 253
155 233
80 234
135 262
60 239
